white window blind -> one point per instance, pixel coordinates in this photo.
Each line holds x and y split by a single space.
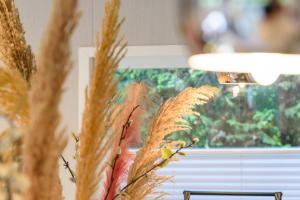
235 170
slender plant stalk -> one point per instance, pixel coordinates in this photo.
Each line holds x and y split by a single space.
117 156
169 119
158 165
67 166
43 144
96 136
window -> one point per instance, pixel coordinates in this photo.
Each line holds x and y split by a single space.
240 116
251 116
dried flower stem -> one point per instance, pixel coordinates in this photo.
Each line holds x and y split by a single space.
153 168
8 190
44 143
125 127
96 135
67 166
169 119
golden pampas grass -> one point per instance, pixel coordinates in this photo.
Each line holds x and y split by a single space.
17 63
96 136
14 52
13 96
42 147
169 119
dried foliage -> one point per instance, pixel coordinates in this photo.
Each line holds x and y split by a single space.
14 107
14 52
17 66
130 115
42 147
12 182
107 129
169 119
13 96
96 135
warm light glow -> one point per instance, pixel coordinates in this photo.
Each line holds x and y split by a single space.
247 62
265 67
235 91
267 78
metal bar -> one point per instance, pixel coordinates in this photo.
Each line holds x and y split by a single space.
187 194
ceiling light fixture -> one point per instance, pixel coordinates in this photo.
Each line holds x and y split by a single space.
260 42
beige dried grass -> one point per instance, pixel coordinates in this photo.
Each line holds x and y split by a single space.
13 96
17 63
165 122
42 144
14 52
96 136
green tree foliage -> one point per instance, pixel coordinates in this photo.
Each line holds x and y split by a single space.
258 116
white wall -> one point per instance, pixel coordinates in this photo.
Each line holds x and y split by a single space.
147 23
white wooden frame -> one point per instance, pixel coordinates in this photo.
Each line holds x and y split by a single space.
173 56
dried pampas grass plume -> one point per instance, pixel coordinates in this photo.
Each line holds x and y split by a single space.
14 52
42 147
96 136
13 96
169 119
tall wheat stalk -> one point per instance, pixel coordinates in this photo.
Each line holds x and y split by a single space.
14 52
169 119
42 147
96 136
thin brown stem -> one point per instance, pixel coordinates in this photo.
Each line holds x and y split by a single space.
125 127
75 137
67 166
8 189
152 168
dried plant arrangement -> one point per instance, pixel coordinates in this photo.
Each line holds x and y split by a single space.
14 52
43 144
130 116
142 179
30 97
96 136
16 68
13 182
13 96
17 65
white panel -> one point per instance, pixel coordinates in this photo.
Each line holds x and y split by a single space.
148 22
236 170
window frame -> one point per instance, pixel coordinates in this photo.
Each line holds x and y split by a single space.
154 57
166 56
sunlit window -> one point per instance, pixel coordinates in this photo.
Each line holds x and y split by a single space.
241 116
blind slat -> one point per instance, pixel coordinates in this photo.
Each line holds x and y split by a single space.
237 170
